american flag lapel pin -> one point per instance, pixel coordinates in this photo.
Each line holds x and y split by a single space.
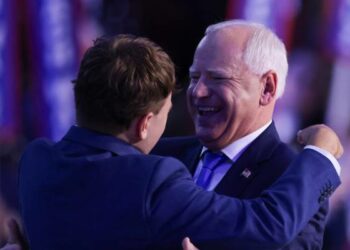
246 173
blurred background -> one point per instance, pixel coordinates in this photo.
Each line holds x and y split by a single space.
42 41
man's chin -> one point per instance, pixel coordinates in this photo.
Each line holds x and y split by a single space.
206 138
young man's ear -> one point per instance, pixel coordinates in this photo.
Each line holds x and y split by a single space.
269 90
142 125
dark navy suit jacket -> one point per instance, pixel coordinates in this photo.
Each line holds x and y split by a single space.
93 191
266 158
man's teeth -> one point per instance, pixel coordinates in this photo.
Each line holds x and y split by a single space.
205 110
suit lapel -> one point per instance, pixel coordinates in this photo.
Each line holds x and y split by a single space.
247 167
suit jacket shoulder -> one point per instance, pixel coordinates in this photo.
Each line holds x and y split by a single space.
81 196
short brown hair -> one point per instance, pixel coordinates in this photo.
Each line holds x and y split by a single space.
119 79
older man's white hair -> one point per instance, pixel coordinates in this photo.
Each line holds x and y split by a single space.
264 51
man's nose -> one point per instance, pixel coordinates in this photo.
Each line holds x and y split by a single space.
201 89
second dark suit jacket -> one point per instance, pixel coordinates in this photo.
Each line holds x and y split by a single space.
266 158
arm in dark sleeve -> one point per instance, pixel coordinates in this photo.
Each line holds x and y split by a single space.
177 207
311 237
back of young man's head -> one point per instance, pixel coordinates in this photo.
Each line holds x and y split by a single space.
120 79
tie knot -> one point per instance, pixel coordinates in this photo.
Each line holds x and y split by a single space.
212 159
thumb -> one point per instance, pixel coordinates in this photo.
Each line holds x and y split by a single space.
301 138
187 244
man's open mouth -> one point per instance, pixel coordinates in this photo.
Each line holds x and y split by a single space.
207 110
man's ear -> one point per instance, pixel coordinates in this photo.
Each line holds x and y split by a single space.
269 90
142 125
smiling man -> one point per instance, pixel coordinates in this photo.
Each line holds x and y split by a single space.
239 71
224 96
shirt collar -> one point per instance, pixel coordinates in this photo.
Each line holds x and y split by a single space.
236 148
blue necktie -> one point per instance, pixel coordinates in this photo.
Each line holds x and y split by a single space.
211 160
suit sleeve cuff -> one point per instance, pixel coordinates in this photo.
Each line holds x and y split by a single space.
328 155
